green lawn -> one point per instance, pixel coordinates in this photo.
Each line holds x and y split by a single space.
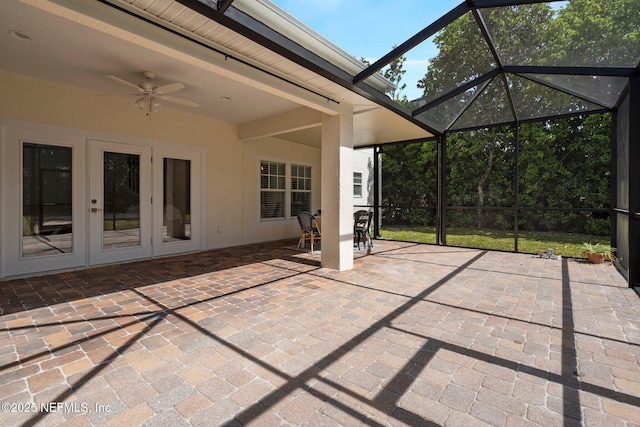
566 244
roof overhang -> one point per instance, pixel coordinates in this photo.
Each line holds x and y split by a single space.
79 42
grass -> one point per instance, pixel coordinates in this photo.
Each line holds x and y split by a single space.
565 244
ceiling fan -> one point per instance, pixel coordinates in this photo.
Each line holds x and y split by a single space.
150 95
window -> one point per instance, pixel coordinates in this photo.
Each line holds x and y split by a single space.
47 220
285 190
357 184
272 189
300 189
176 200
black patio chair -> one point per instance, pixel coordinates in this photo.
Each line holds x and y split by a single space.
361 227
309 229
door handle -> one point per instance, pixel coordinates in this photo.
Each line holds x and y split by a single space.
94 210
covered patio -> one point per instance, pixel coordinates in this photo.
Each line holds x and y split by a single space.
262 335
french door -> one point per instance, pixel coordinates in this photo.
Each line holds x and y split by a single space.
176 201
69 201
119 205
43 222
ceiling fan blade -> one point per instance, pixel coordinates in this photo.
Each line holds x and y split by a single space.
180 101
124 82
171 87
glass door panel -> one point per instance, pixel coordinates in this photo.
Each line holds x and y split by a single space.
42 187
47 193
176 203
119 202
121 214
177 219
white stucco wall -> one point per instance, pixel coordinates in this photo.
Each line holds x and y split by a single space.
231 189
363 163
278 150
36 100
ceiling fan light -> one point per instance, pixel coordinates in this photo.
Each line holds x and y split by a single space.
150 95
141 103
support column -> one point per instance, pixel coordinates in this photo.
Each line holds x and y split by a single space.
516 180
377 191
614 179
441 223
634 182
337 192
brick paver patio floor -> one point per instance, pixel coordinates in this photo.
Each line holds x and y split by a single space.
261 335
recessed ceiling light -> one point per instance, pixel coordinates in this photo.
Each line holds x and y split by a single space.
21 35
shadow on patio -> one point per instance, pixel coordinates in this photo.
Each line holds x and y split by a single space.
413 335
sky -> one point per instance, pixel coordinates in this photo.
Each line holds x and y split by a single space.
371 28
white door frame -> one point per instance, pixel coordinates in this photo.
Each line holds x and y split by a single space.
95 211
160 247
14 133
13 137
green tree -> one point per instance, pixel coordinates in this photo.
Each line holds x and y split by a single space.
394 73
480 167
596 33
409 184
481 163
563 163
